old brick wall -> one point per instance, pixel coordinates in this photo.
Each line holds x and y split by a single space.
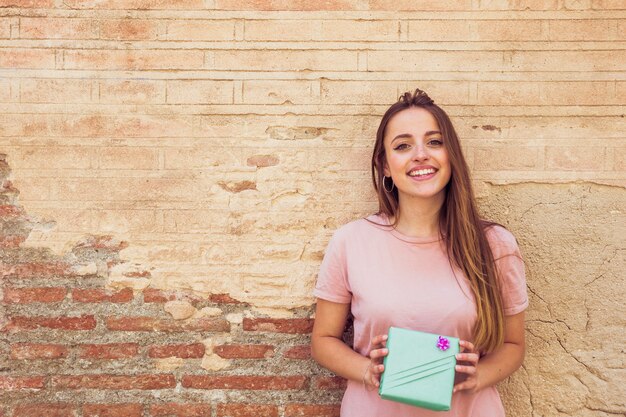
171 171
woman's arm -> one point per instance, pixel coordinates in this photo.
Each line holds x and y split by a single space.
329 350
499 364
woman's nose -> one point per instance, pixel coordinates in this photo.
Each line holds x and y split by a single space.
420 153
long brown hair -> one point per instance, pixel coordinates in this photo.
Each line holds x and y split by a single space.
459 222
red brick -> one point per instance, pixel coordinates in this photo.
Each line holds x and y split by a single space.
5 33
607 5
27 3
180 410
412 5
38 351
131 92
261 161
200 30
151 324
55 91
506 157
108 351
288 60
244 382
10 241
295 5
112 410
224 299
45 410
329 382
35 270
101 125
136 4
195 350
12 383
298 352
57 28
99 295
246 410
311 410
34 295
575 158
132 59
199 92
113 382
152 295
278 325
63 323
244 351
128 29
7 212
27 58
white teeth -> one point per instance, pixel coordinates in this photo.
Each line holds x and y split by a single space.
421 172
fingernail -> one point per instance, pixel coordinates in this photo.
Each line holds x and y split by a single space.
385 337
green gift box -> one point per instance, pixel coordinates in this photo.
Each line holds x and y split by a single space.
419 369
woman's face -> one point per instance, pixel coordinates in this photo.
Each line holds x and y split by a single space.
417 159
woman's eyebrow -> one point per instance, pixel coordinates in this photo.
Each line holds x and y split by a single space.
402 136
408 135
432 132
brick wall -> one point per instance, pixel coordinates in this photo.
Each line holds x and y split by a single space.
171 172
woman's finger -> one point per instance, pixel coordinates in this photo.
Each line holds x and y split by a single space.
374 374
467 346
378 369
463 385
470 370
378 353
468 384
468 357
380 339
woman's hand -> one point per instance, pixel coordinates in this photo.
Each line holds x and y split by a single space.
469 356
375 367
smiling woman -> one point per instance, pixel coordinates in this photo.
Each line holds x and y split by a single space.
425 261
417 159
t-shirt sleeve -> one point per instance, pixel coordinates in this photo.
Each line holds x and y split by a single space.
510 269
332 280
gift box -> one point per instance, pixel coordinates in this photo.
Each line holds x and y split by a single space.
419 369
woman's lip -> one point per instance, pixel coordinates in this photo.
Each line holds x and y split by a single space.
423 177
421 168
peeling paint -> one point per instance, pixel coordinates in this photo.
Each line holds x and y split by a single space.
237 187
294 133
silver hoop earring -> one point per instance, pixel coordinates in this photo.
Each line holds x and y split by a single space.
385 184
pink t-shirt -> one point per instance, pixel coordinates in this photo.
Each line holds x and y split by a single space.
392 279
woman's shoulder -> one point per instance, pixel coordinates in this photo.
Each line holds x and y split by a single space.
358 227
501 240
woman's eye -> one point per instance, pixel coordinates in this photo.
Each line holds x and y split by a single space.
436 142
401 146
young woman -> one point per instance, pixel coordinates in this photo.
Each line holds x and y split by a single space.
426 261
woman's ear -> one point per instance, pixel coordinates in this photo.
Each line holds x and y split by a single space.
386 170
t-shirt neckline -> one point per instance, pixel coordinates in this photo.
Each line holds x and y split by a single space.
382 218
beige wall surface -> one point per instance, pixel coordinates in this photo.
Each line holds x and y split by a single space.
225 140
